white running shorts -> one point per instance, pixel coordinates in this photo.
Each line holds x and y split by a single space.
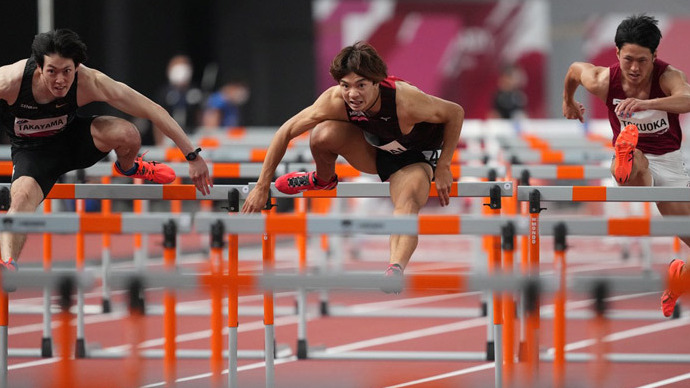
668 169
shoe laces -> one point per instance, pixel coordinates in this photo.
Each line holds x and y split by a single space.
668 295
146 168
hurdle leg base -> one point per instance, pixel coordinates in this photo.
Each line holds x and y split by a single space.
302 349
490 351
323 308
80 348
106 306
46 347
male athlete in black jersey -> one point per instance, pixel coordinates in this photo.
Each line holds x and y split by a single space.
380 125
39 97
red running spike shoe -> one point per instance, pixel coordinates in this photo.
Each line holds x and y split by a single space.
625 147
151 171
676 287
297 182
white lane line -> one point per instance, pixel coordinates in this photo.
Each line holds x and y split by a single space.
668 381
630 333
446 375
54 324
33 363
225 371
415 334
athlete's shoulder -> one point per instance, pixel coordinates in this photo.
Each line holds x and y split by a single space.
329 105
671 70
11 79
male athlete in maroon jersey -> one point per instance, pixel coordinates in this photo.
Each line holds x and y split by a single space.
644 96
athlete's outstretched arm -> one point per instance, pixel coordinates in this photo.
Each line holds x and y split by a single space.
96 86
593 78
327 107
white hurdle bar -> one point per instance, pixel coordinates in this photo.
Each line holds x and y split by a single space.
567 156
69 223
436 224
253 170
605 194
555 171
220 192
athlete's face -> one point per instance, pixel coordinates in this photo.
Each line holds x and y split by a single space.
58 74
358 92
636 63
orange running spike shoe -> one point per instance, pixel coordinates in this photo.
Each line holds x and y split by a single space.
676 287
297 182
625 147
151 171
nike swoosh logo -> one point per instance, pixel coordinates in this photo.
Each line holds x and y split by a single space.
60 106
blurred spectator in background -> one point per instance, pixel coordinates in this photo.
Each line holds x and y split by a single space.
180 97
509 101
223 107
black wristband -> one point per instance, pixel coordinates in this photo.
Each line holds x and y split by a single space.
192 155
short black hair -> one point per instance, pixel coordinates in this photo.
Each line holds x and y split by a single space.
63 42
362 59
641 30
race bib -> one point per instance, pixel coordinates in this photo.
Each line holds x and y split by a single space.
39 127
648 122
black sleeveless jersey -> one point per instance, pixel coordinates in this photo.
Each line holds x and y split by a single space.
383 131
30 123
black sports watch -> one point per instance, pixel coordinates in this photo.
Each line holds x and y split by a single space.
192 155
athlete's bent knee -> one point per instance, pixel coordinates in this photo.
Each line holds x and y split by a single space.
324 135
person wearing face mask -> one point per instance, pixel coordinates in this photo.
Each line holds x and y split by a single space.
381 125
644 96
180 97
39 101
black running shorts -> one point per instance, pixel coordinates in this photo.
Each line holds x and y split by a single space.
387 164
71 149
